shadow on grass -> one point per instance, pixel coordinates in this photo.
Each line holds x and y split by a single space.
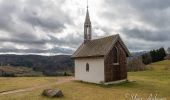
127 84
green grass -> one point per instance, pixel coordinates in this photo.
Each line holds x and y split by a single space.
153 81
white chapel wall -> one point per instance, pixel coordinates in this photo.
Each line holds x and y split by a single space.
96 70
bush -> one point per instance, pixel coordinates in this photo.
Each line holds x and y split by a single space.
8 75
67 74
136 64
146 58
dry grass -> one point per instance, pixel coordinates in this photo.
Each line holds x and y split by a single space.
155 81
12 83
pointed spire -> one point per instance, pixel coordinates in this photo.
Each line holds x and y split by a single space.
87 26
87 20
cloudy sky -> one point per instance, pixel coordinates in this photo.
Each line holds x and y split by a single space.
56 26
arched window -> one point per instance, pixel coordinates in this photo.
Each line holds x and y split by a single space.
87 67
115 55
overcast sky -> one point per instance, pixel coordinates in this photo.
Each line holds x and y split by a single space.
56 26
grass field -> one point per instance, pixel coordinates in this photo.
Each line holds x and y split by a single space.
155 81
23 82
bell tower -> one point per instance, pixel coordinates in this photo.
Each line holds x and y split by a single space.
87 27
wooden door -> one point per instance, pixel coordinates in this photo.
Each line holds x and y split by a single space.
116 73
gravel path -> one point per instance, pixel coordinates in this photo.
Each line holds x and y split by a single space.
59 81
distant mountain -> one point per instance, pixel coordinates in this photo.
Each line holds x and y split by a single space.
137 54
49 65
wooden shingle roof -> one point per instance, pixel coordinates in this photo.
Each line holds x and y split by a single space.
97 47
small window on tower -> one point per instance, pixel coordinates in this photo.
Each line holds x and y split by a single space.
87 67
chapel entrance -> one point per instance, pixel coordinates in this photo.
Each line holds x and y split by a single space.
116 73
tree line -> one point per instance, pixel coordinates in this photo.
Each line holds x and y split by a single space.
137 63
48 65
154 56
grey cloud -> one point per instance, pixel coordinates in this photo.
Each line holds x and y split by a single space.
9 22
20 20
69 40
23 41
47 24
55 50
152 13
150 4
45 15
147 35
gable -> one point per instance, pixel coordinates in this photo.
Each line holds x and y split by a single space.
123 46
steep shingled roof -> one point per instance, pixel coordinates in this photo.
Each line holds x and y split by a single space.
98 47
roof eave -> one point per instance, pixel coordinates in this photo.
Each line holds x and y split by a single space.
88 56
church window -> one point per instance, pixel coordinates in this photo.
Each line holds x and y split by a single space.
115 55
87 67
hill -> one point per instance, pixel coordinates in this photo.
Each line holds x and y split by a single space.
153 83
49 65
8 71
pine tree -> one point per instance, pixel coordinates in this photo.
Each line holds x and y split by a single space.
158 55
